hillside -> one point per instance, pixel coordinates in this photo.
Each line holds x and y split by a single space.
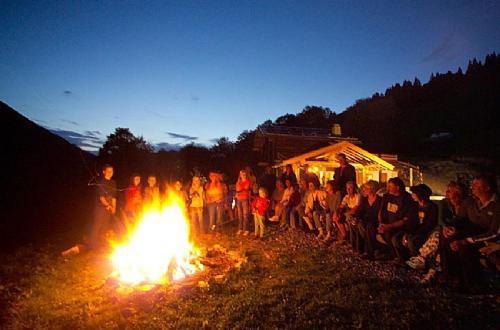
453 114
44 183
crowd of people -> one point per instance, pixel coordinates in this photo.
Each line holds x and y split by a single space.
457 239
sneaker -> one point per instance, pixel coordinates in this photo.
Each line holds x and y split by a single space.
246 232
71 251
320 235
274 218
429 277
416 262
327 237
238 232
213 227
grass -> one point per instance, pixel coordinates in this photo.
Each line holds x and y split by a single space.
289 281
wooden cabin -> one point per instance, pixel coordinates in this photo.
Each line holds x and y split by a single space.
368 166
274 143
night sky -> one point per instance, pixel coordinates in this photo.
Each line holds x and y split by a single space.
192 71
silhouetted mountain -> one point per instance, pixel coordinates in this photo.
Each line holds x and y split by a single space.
44 183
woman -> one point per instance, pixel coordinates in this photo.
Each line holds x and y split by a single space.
315 208
243 186
429 252
344 216
214 195
367 215
196 198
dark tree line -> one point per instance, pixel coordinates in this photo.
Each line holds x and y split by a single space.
411 118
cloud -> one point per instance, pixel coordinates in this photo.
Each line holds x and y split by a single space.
182 136
168 146
448 49
70 122
93 133
67 93
86 141
157 114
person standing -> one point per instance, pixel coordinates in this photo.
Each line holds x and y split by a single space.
133 199
152 192
344 173
214 195
243 186
196 198
259 207
105 206
289 175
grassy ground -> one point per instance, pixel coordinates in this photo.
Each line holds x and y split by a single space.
289 281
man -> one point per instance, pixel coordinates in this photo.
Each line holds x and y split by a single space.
397 216
105 206
344 173
483 216
289 175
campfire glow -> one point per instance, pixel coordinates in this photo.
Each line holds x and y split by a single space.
158 248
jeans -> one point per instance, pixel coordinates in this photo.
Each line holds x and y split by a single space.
215 213
242 210
259 224
368 231
102 222
317 216
197 219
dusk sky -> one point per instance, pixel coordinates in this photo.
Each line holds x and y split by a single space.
192 71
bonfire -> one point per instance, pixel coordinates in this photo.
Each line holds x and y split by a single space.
157 249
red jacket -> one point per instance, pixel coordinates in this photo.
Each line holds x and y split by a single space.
260 205
243 190
133 199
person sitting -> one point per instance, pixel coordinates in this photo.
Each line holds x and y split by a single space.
282 207
344 215
333 199
483 215
367 216
133 199
276 198
315 209
429 252
298 213
397 216
416 234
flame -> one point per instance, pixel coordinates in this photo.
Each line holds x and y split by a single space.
157 249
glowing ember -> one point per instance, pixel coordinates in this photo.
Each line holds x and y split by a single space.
157 249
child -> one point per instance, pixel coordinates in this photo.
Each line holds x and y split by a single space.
259 207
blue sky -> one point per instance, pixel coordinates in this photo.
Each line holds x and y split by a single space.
192 71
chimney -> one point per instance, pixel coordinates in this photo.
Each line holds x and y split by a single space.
336 130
